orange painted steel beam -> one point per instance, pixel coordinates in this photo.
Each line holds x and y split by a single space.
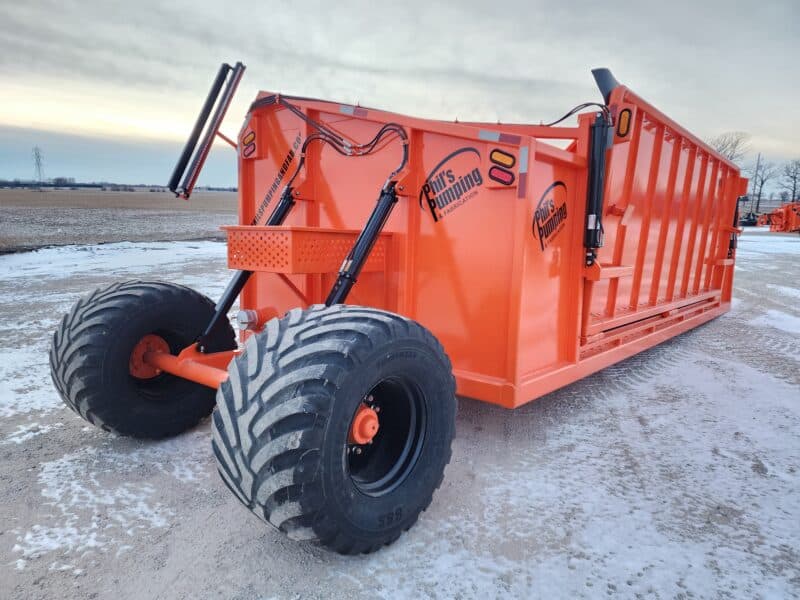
209 370
228 140
633 317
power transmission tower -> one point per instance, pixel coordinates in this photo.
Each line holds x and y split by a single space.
38 164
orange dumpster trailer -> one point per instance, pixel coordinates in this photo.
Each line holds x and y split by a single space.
384 264
785 218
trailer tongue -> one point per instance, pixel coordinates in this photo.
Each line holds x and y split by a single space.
404 260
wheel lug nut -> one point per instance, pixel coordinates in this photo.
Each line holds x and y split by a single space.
357 450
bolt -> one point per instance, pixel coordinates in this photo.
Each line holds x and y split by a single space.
377 409
401 188
357 450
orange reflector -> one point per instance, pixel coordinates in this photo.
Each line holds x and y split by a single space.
624 123
504 159
249 138
501 175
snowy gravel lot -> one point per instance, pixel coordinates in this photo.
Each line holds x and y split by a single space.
672 475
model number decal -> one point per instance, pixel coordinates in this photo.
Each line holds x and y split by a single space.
390 518
277 181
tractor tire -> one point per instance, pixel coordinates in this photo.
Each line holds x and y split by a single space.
91 354
282 430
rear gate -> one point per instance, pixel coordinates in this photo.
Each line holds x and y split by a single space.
668 218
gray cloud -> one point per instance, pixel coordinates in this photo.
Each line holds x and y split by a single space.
711 65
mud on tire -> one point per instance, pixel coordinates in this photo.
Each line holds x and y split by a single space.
91 349
280 431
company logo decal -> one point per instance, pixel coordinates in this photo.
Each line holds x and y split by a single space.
550 215
452 182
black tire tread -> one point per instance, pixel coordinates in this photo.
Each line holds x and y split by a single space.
304 348
77 348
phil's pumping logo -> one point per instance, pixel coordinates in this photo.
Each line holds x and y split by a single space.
551 213
452 182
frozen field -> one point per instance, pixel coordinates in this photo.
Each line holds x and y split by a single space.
672 475
31 219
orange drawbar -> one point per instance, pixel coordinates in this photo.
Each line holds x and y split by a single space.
497 243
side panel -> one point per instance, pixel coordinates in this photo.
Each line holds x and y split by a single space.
464 254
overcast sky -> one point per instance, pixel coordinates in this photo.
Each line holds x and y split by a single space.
110 90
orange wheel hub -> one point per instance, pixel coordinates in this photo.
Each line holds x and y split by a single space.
365 425
149 343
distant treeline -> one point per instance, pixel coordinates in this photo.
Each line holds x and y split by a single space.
69 183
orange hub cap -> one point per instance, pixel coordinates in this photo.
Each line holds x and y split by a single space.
365 425
149 343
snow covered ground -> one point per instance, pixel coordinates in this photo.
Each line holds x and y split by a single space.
673 474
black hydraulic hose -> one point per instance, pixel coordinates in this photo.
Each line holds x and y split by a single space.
580 107
357 150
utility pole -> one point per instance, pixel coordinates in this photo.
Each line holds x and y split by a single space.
755 183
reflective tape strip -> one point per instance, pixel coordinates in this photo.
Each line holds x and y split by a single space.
507 138
523 160
488 135
522 182
354 111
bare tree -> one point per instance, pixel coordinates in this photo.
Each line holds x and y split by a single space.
790 178
733 145
761 174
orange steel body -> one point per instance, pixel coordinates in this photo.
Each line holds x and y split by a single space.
485 245
785 218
